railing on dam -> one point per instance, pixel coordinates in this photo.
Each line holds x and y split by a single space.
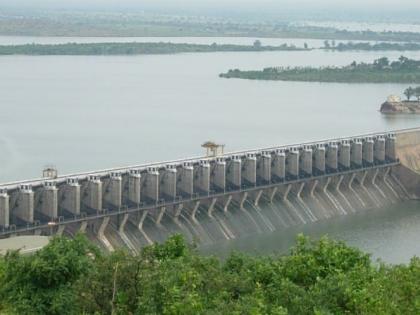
40 203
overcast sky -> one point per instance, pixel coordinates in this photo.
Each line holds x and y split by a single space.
382 4
400 11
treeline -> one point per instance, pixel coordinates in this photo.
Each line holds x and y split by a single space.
173 48
370 47
134 48
403 70
322 277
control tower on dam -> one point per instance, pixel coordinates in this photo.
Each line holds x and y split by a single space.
218 197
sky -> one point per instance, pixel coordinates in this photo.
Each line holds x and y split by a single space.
355 10
381 4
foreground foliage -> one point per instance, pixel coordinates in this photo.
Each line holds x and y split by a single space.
403 70
323 277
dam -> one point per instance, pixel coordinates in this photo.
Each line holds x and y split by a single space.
221 197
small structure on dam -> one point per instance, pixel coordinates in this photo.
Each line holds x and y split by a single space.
218 196
213 149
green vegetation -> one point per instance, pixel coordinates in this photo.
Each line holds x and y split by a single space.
323 277
132 48
371 47
136 48
410 92
403 70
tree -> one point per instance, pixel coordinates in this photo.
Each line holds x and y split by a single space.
381 63
316 277
403 60
43 283
417 93
409 92
257 44
327 44
305 45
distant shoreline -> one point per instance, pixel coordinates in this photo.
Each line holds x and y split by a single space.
135 48
66 27
168 47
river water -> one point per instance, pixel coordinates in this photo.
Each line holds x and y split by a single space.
390 235
84 113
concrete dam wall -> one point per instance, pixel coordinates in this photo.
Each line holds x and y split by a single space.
222 197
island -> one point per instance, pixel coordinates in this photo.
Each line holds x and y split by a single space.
136 48
403 70
366 46
394 104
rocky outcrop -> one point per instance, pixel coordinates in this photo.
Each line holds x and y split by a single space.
402 107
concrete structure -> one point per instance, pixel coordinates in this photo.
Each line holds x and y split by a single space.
356 156
47 204
292 163
331 158
24 204
390 148
318 159
92 193
233 173
133 191
4 208
150 185
186 190
379 149
305 161
218 175
278 169
249 171
344 155
368 149
69 196
168 183
202 178
264 168
185 180
112 191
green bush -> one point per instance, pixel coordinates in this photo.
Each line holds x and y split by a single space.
316 277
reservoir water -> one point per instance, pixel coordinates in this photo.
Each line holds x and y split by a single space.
84 113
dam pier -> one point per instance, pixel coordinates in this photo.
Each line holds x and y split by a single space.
218 197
